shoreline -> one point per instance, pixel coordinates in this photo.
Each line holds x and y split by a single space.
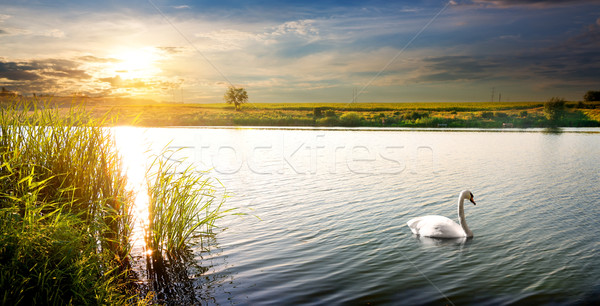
482 115
422 115
587 130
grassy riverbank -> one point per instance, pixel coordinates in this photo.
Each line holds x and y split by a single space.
475 115
66 214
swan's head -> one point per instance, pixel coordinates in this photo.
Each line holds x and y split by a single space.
466 194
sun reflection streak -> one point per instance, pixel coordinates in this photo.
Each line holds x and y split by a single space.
133 147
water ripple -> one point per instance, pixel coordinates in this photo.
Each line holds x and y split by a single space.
334 231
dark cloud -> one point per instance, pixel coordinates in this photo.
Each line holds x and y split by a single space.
17 71
62 68
588 39
36 69
572 61
17 75
530 3
71 73
575 60
42 76
454 68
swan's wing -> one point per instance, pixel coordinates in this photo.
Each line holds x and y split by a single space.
413 224
435 226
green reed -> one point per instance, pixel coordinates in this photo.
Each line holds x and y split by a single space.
183 206
65 215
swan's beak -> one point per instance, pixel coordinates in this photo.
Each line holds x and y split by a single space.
472 201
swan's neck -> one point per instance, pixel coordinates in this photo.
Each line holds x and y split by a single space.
461 217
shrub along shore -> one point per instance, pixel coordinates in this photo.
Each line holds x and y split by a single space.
429 115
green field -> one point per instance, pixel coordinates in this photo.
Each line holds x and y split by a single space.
480 115
468 114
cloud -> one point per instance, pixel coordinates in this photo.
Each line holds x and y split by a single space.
95 59
575 60
57 75
293 48
227 39
18 75
63 68
14 31
300 27
118 82
17 71
233 39
588 39
454 68
172 50
530 3
56 33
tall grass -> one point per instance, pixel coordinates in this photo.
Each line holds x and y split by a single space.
183 205
64 210
66 216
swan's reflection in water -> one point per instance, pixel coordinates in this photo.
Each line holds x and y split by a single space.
429 241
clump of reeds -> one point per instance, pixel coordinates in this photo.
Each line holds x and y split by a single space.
65 215
183 206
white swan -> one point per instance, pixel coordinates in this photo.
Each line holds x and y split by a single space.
442 227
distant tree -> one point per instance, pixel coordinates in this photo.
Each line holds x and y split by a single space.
236 96
554 109
591 96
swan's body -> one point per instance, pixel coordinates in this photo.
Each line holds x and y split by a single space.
442 227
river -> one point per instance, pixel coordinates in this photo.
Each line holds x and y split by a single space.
327 212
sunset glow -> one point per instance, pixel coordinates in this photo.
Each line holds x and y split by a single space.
135 64
309 51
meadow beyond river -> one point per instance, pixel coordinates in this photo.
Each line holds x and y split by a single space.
328 211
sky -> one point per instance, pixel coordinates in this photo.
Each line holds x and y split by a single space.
303 51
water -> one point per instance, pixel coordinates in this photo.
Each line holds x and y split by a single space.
333 206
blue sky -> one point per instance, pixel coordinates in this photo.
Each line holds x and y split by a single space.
303 51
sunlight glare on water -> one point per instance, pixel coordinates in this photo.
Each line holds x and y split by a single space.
133 147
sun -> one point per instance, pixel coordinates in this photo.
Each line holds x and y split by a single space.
135 64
